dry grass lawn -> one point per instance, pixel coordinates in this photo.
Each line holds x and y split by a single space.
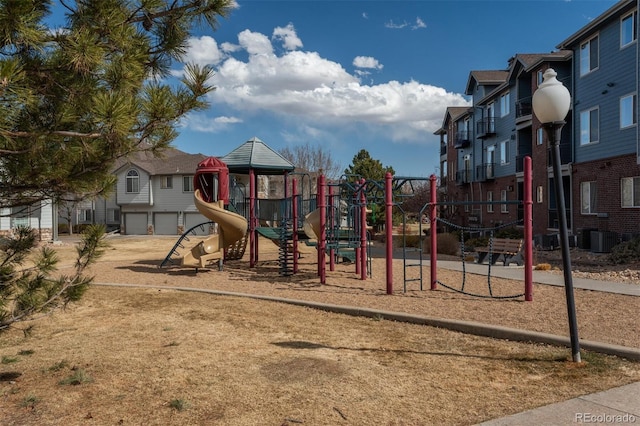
162 356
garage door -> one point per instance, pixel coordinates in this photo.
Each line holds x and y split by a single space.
135 223
165 223
193 219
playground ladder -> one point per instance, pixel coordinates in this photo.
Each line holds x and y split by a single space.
285 250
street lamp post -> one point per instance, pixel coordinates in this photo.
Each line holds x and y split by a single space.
551 104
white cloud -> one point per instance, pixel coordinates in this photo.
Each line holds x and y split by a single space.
367 62
288 36
255 43
365 15
395 26
318 94
229 47
200 123
203 50
419 24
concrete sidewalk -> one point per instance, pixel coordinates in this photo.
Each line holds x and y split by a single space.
615 406
541 277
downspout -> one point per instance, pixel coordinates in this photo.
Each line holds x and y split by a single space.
573 144
637 86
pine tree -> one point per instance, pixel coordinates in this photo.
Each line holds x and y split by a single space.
364 166
73 100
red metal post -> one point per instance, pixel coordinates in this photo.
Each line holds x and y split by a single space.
363 232
331 220
388 225
528 230
294 213
322 238
433 231
253 246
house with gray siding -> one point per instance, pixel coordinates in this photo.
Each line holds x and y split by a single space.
153 196
40 216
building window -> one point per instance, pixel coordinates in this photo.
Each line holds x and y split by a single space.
540 77
589 126
467 168
504 207
491 121
540 136
84 216
19 216
504 152
133 182
166 182
589 56
443 170
187 183
491 159
588 196
628 111
540 194
505 104
489 200
628 32
113 215
630 191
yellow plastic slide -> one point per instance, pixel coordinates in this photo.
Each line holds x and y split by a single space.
311 225
232 227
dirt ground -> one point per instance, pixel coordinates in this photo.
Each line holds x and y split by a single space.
161 356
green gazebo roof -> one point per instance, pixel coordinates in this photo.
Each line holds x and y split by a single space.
256 155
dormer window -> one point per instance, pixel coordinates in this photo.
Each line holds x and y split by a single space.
133 182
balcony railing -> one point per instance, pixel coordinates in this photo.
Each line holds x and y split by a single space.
520 162
485 172
463 176
486 127
463 139
523 108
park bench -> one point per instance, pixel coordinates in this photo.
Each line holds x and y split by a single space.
509 249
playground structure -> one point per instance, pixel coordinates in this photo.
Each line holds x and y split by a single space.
335 222
211 193
527 246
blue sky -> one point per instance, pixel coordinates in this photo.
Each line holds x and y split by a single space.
350 75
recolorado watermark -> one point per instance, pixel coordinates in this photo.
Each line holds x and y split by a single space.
605 418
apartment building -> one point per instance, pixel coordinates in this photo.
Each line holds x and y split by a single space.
483 146
605 173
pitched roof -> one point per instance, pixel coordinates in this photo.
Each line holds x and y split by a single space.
257 155
530 60
172 161
526 61
452 114
491 77
455 112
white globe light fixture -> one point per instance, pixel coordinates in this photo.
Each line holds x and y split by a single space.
551 103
